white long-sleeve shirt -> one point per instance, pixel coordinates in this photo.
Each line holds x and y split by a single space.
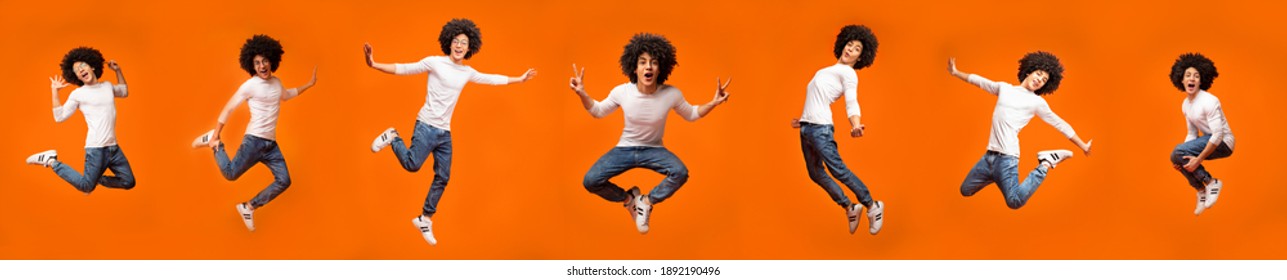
98 104
645 114
829 84
1203 114
1015 107
446 80
264 97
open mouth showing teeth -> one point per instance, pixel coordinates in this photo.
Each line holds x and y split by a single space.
648 75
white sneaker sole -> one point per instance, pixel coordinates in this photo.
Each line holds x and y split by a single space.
854 215
426 231
247 216
43 158
1202 203
1054 157
643 213
877 221
1213 192
203 140
383 140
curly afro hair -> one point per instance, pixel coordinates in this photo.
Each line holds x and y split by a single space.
654 45
1206 70
261 45
461 26
862 34
1044 61
87 55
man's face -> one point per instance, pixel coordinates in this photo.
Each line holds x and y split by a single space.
1036 80
646 70
459 47
1192 79
263 67
850 54
84 72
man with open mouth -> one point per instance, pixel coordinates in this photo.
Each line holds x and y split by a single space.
1209 136
96 100
263 93
855 49
645 102
460 39
1040 74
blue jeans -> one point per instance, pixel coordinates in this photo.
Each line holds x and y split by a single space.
1199 177
820 155
620 159
427 139
1003 170
97 161
256 150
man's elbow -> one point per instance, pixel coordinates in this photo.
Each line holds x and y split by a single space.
695 117
58 116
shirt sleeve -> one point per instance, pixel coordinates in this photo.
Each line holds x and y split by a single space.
487 79
290 93
851 95
1217 123
602 108
987 85
413 68
120 91
242 94
61 113
1051 118
683 108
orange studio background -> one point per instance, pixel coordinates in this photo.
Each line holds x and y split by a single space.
521 150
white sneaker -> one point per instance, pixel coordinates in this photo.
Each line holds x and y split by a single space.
247 215
630 201
383 140
426 229
1213 192
1054 157
852 212
203 140
1202 203
643 212
46 158
876 217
